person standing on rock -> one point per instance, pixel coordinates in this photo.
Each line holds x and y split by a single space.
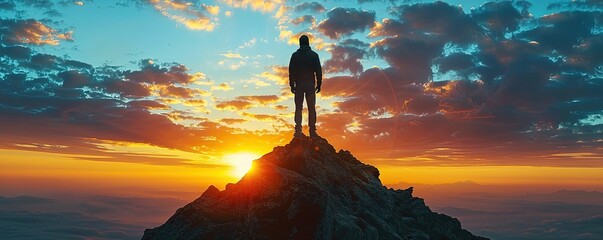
305 79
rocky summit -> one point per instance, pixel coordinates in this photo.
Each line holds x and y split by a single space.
307 190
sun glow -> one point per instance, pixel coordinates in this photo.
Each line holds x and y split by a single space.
241 162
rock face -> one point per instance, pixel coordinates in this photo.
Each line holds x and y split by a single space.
307 190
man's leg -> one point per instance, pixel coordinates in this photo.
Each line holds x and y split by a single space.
311 102
299 106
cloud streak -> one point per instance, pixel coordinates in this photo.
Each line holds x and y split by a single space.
192 16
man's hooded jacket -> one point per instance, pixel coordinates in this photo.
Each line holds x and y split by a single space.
303 67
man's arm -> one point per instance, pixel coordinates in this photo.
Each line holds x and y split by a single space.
318 71
292 74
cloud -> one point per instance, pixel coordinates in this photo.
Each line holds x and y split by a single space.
147 104
345 21
346 56
222 87
30 31
310 6
261 117
231 121
74 79
580 4
439 19
127 88
246 102
52 94
567 29
293 39
256 82
497 17
7 6
305 19
232 55
264 6
193 16
496 83
234 105
278 74
15 52
260 99
166 74
281 107
179 92
248 44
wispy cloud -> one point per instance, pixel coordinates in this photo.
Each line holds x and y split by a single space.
193 16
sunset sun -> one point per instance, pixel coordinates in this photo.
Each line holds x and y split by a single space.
240 162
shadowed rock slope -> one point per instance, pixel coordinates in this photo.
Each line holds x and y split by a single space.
307 190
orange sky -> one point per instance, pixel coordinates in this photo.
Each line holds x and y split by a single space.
33 172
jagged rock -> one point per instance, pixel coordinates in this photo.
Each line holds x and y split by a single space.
307 190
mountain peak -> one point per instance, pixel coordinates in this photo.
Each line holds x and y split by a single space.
307 190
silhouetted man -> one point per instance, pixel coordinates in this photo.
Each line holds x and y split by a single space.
304 69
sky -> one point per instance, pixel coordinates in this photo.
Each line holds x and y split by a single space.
135 98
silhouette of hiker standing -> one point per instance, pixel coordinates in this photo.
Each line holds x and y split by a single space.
304 68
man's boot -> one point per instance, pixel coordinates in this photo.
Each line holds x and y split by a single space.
298 132
313 132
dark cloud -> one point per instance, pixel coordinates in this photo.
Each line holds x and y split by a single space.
147 104
30 31
346 57
345 21
15 52
579 4
7 5
156 74
455 62
562 31
74 79
310 6
497 17
126 88
496 83
42 61
412 58
439 20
